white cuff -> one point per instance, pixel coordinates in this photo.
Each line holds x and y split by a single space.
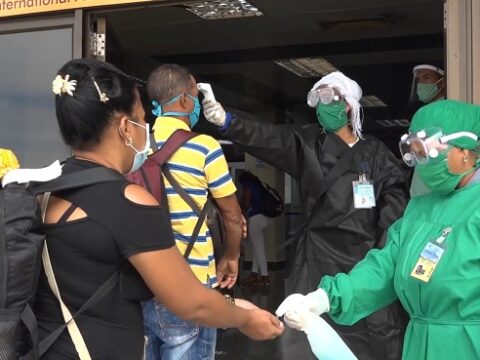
318 301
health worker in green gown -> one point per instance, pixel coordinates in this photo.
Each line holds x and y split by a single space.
431 261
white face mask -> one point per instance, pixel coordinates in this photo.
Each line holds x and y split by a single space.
140 155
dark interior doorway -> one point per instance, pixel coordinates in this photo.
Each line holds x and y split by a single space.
250 60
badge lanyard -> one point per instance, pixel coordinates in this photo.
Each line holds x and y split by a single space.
430 257
363 192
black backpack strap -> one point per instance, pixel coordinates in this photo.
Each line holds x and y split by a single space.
100 293
198 226
173 143
30 321
202 214
78 179
180 191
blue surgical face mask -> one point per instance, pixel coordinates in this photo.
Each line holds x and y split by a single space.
195 114
192 116
140 155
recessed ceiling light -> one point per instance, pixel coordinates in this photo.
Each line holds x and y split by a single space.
307 67
223 9
372 101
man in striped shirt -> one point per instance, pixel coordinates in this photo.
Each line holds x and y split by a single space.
199 166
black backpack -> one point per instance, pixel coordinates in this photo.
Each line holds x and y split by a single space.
150 176
21 244
272 203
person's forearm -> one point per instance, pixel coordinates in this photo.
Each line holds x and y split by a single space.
213 310
233 236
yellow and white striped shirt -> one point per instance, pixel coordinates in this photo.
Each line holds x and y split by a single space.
198 166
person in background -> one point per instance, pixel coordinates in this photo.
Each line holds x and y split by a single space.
432 256
352 189
117 226
257 223
428 85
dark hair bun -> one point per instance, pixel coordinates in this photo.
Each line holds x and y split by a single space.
83 117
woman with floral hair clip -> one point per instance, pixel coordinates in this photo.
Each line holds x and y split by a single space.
98 230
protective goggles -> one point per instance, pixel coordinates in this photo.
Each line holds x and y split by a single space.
423 147
325 95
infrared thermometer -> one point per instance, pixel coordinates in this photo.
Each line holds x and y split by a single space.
207 92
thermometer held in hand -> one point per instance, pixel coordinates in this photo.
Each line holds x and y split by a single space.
207 92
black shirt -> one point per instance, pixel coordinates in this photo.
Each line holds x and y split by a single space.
85 252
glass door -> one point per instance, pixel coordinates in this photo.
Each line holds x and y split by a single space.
32 52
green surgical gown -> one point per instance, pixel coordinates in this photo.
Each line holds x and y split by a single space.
445 312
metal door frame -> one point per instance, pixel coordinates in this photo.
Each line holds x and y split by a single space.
462 44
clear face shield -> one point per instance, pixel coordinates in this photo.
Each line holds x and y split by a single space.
426 83
425 147
325 94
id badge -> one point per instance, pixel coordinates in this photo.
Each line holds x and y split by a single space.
363 195
429 258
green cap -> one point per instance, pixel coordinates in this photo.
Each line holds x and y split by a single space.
451 116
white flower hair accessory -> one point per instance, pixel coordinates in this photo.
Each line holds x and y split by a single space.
61 86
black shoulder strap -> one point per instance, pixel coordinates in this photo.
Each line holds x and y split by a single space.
180 191
173 143
202 214
45 344
198 226
78 179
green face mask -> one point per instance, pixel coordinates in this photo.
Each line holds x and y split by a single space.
426 92
438 177
332 116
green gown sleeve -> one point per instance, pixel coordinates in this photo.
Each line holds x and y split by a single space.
369 285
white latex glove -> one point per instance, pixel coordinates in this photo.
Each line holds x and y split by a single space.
316 302
299 320
214 112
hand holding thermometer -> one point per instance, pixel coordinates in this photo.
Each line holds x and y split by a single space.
207 92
